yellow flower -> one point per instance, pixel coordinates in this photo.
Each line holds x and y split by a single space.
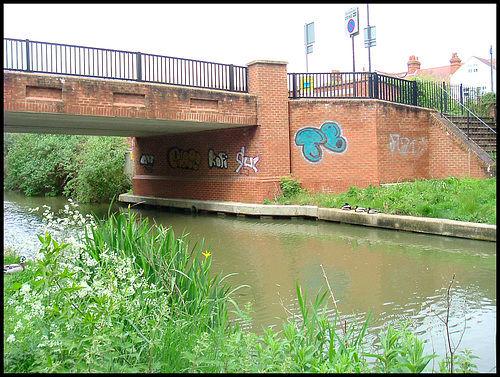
207 254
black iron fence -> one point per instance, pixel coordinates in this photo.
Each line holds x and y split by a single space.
352 85
43 57
430 94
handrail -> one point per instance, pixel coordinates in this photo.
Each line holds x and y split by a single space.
469 112
55 58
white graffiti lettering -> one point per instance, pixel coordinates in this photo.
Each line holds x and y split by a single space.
404 145
246 162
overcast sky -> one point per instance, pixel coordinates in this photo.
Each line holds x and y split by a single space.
240 33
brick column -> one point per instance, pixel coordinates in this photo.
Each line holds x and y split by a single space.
268 81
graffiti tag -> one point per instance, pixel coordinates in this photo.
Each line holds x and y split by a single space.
246 162
217 160
404 146
313 140
148 161
182 159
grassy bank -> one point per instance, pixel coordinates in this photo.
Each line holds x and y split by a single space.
131 297
466 199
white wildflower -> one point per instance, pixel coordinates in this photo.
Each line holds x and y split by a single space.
11 338
25 288
19 324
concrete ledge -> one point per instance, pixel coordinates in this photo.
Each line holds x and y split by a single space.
443 227
225 207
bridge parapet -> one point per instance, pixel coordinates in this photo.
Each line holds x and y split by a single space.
120 108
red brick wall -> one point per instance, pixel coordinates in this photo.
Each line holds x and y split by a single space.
403 142
386 143
255 157
89 96
449 155
182 168
336 171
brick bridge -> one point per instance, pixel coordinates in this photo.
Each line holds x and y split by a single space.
229 145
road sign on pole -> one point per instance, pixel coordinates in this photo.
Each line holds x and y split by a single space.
370 38
352 22
309 34
308 40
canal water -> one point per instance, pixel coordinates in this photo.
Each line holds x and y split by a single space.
400 275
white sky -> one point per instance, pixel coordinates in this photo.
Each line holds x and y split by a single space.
240 33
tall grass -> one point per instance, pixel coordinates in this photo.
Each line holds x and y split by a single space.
466 199
132 298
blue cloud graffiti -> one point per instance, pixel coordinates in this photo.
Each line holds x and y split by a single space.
312 140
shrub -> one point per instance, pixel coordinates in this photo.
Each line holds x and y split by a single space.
290 186
40 164
99 175
90 169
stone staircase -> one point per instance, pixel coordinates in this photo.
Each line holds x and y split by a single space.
483 136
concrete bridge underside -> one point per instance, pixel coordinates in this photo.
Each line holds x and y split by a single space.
70 124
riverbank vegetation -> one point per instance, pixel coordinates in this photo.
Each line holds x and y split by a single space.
85 168
466 199
129 296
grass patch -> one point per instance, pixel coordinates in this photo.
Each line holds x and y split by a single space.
466 199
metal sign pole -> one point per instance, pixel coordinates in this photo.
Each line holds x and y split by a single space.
368 22
353 60
307 66
352 29
491 66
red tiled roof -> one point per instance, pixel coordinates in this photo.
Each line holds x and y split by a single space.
441 73
488 62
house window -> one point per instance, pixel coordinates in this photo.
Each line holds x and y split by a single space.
472 68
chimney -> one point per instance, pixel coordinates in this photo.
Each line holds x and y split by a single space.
455 63
413 64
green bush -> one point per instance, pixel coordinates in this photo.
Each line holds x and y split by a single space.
40 164
90 169
290 187
99 175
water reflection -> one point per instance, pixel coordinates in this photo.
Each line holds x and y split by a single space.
397 274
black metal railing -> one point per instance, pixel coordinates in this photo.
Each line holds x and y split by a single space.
43 57
352 85
455 111
428 94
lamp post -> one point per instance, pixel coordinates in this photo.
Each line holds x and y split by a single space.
491 66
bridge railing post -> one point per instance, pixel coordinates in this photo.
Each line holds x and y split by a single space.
375 86
294 85
28 59
231 77
139 66
414 86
